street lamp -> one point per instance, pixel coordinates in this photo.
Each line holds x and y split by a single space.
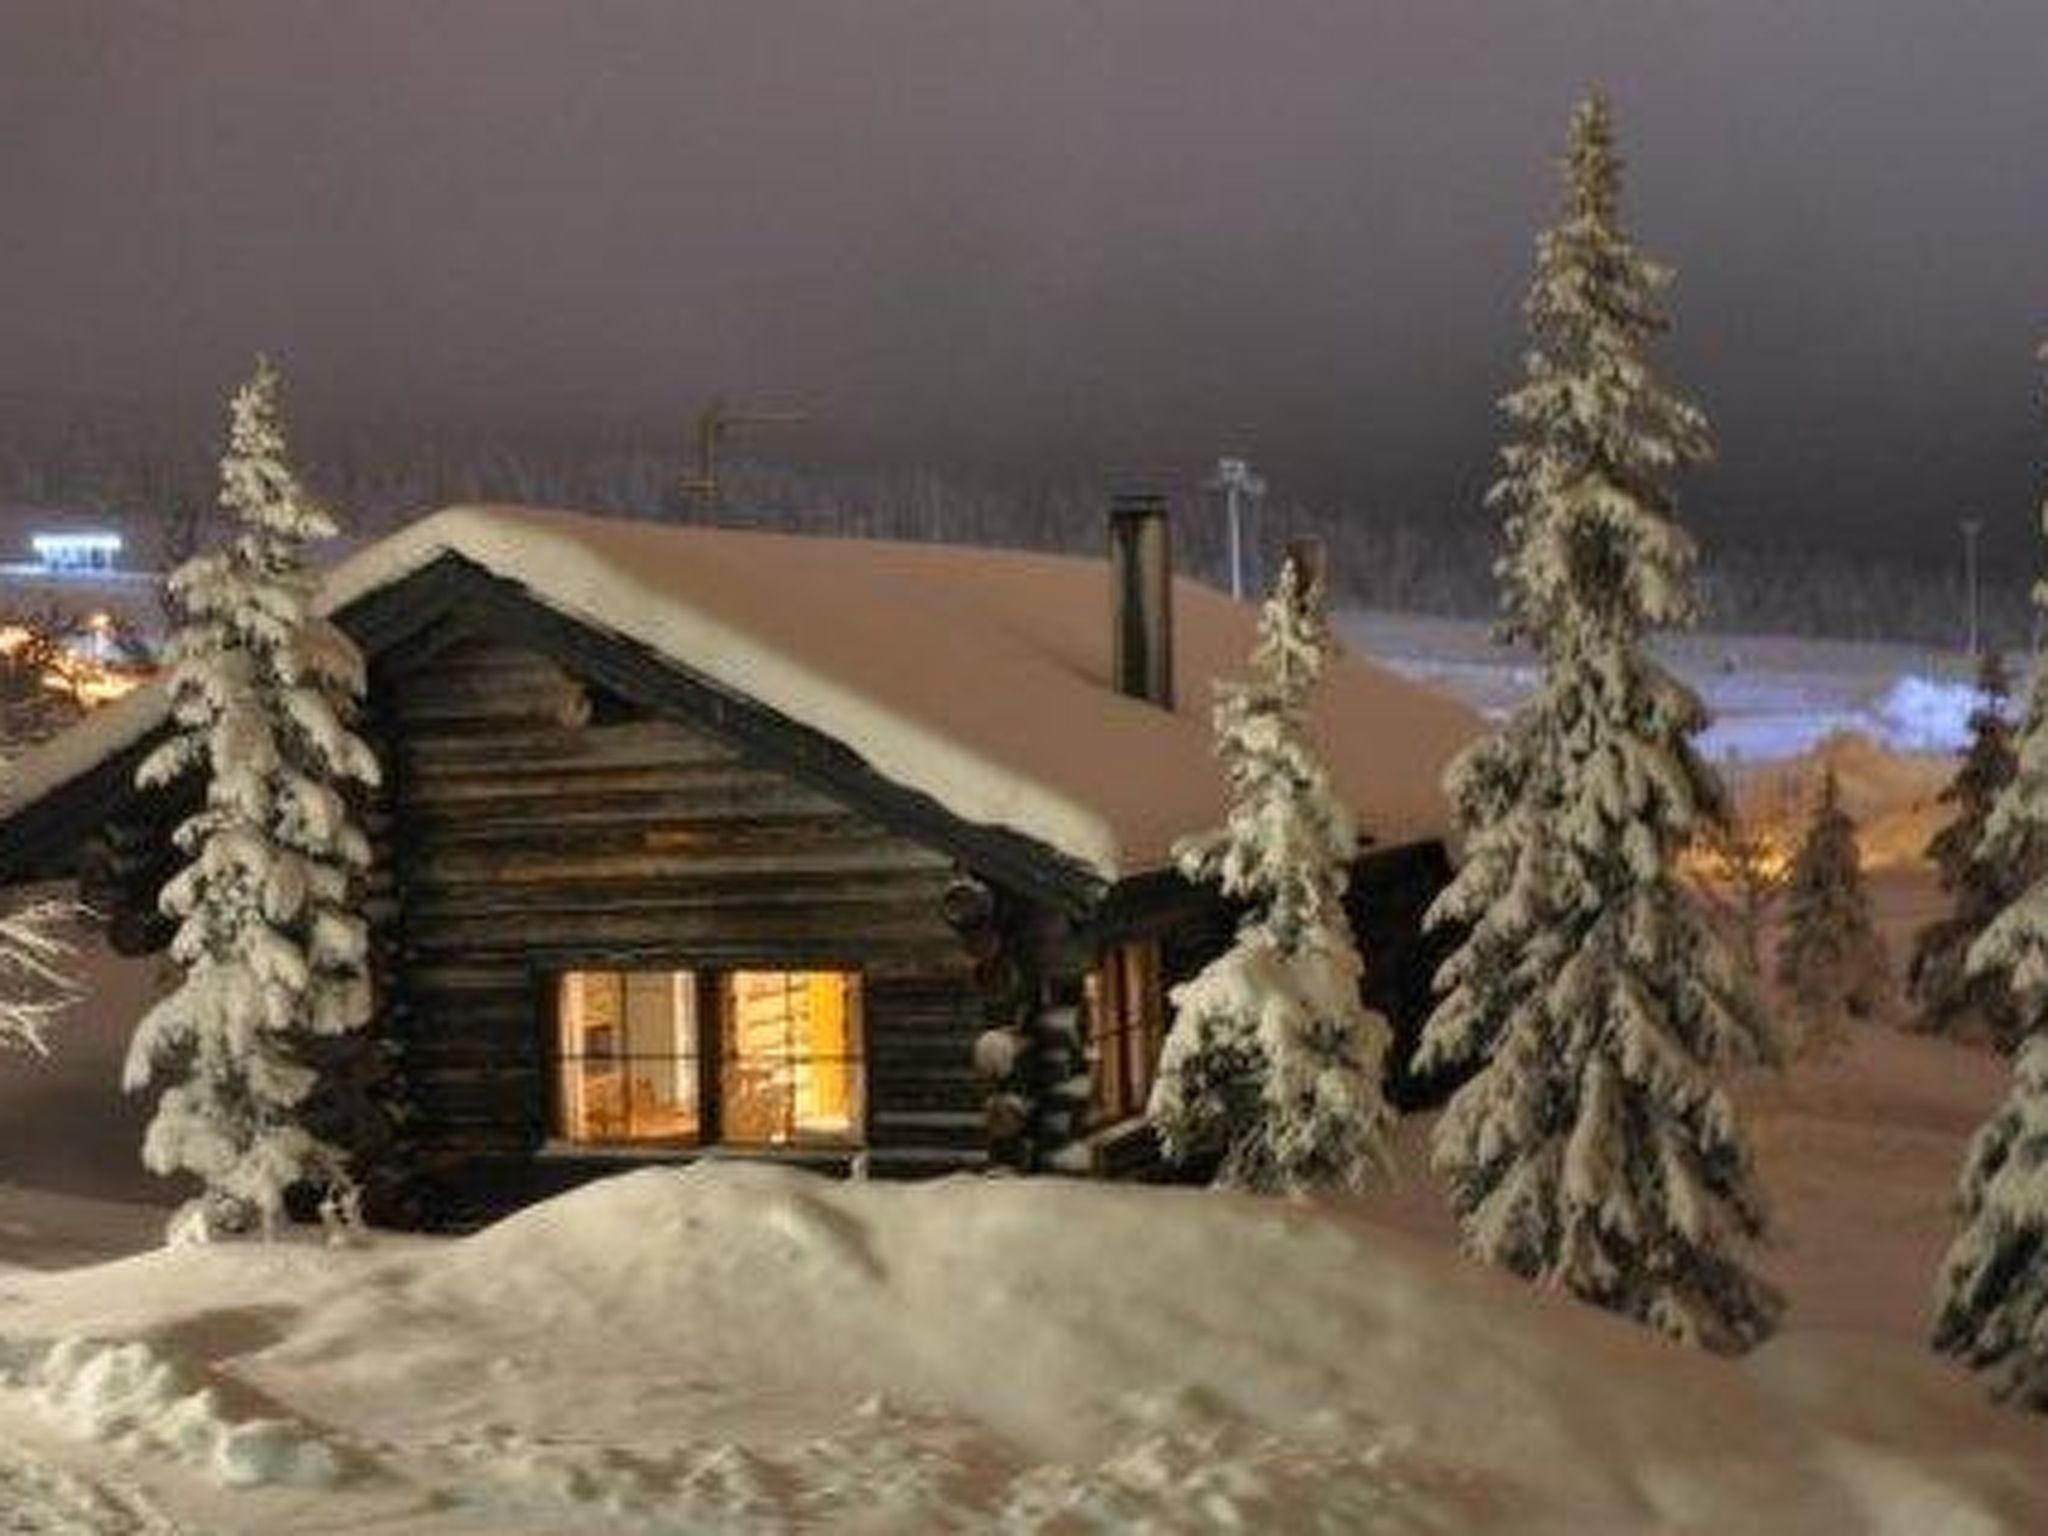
1235 478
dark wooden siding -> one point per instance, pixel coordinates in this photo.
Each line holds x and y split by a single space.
536 827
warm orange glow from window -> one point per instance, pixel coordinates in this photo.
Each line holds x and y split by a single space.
626 1056
638 1060
1126 1026
791 1057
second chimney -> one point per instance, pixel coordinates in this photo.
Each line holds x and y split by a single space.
1141 597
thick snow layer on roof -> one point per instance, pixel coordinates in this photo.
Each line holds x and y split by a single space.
978 677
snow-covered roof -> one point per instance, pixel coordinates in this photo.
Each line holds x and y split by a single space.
977 677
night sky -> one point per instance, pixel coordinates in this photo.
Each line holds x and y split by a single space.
1053 234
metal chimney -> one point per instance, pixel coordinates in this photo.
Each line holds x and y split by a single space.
1141 597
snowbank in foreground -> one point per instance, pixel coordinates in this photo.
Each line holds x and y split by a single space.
133 1397
739 1347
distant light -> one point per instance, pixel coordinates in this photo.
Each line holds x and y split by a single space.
76 551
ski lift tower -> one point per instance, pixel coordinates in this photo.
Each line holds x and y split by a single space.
711 425
1241 488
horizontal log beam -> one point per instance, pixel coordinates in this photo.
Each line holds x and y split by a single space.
551 750
888 896
529 863
782 932
611 816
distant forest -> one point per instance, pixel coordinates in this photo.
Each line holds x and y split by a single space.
1440 565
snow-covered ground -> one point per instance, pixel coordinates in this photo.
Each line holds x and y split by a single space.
740 1348
747 1348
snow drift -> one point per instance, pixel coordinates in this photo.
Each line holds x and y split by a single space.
745 1347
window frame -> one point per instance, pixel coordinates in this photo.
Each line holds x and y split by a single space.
1123 1060
546 974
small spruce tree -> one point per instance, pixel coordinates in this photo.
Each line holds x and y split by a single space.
1991 1305
1593 1150
1272 1067
1832 962
1743 875
1952 999
270 942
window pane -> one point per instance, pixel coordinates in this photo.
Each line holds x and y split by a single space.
792 1065
1103 994
626 1056
1143 1008
1126 1024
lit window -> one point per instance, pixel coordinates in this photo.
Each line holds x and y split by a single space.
627 1065
751 1058
1126 1024
790 1063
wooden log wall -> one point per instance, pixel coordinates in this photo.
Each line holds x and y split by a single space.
534 828
1391 891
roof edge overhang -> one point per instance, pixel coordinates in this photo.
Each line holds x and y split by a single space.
39 837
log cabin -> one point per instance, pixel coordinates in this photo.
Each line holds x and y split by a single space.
701 841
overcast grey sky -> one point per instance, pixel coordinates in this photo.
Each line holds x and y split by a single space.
1069 232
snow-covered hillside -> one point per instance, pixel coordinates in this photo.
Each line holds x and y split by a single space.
1886 718
1772 696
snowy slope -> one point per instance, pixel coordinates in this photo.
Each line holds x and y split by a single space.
1886 718
1771 696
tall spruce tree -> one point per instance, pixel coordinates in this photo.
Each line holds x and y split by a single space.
270 940
1272 1067
1952 999
1593 1150
1832 962
1992 1294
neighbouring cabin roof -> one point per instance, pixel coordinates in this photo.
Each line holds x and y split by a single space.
976 677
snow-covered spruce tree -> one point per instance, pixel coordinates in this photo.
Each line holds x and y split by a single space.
1952 999
1593 1150
1272 1066
1992 1295
1832 962
270 942
1992 1302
